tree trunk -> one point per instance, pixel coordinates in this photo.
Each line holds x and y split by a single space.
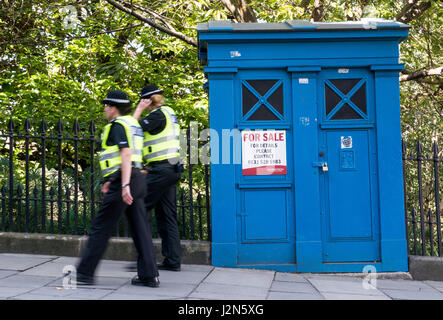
241 10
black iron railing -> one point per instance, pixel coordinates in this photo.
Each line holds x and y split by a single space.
422 175
50 183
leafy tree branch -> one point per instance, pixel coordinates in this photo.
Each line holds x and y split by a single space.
416 75
412 10
152 23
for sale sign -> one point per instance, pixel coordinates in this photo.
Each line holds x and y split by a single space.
263 152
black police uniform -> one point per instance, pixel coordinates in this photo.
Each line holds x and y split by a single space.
161 181
109 215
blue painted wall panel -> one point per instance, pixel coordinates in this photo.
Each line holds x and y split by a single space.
221 99
293 51
392 217
307 199
265 215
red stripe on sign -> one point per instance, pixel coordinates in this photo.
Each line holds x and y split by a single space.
265 171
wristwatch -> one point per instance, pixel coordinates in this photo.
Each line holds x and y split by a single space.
125 185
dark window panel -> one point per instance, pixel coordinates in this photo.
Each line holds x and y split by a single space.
264 114
276 99
346 112
344 85
331 99
359 98
249 100
262 86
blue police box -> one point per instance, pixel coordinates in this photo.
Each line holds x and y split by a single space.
306 167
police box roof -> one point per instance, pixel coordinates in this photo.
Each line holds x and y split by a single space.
300 25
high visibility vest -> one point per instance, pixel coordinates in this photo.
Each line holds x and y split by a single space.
163 145
110 159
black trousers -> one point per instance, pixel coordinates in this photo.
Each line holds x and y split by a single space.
161 183
106 221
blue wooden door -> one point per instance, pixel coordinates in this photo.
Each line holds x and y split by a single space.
347 166
264 200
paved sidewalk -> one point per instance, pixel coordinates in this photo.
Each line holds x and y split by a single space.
39 277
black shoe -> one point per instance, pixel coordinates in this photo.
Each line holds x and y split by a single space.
168 267
131 267
84 280
148 282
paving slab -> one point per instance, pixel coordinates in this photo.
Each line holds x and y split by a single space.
275 295
344 296
435 284
208 290
239 277
53 268
21 281
300 287
52 293
146 296
7 273
10 292
290 277
21 262
165 291
424 294
342 286
222 296
407 285
35 277
189 277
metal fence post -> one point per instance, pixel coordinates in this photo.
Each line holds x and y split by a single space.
436 160
43 164
11 171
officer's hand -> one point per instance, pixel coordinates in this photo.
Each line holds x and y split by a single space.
126 196
105 187
144 104
144 172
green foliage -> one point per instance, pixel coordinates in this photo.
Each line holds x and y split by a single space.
65 72
59 58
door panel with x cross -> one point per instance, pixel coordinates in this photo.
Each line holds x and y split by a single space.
265 202
263 99
348 175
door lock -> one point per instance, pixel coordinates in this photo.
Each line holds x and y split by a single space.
321 164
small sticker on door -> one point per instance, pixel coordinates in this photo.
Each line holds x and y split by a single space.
303 80
346 142
304 121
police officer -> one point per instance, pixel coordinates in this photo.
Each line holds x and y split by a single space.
162 158
124 191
